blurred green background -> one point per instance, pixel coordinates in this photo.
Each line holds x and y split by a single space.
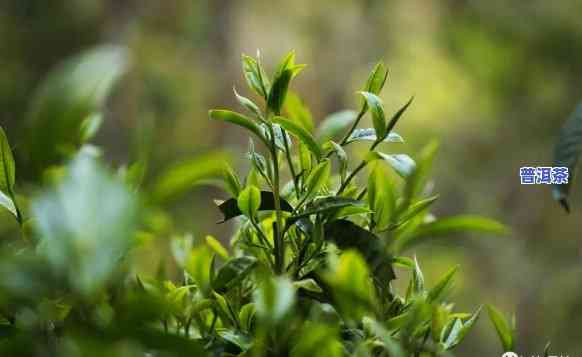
493 81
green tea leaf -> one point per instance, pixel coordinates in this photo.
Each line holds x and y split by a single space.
335 124
249 201
381 197
230 209
437 291
307 284
301 133
90 126
233 273
376 79
317 178
377 110
505 331
85 225
7 203
248 104
281 81
566 154
255 76
369 134
70 93
459 333
7 165
403 164
325 205
231 180
318 339
274 300
198 266
216 247
246 316
240 120
181 177
396 117
298 111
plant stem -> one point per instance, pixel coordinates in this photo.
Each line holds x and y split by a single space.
351 176
290 163
279 263
356 122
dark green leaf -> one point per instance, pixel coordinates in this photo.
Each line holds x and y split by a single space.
396 117
7 166
232 273
230 209
348 235
567 153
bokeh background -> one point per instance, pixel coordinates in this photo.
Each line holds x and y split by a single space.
493 81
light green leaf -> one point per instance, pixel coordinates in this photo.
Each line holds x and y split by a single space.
333 125
376 79
255 76
307 284
248 104
181 177
231 180
301 133
318 178
298 111
246 316
437 291
369 134
216 247
505 331
274 300
249 201
85 225
403 164
381 197
318 339
378 116
70 93
240 120
7 203
7 166
198 266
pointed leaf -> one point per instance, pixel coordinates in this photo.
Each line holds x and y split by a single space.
369 134
230 209
7 166
232 273
240 120
504 330
301 133
298 111
377 110
248 104
317 178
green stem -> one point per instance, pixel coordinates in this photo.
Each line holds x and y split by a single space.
356 122
279 263
290 163
351 176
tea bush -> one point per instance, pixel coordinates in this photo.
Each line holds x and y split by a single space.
310 267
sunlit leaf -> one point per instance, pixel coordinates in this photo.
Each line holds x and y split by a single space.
240 120
381 197
274 299
377 110
301 133
249 201
318 339
255 76
182 177
216 247
298 111
403 164
438 290
505 331
369 134
248 104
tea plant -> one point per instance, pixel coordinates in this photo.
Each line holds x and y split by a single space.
312 261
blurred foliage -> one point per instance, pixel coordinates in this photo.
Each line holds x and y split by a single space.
493 80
